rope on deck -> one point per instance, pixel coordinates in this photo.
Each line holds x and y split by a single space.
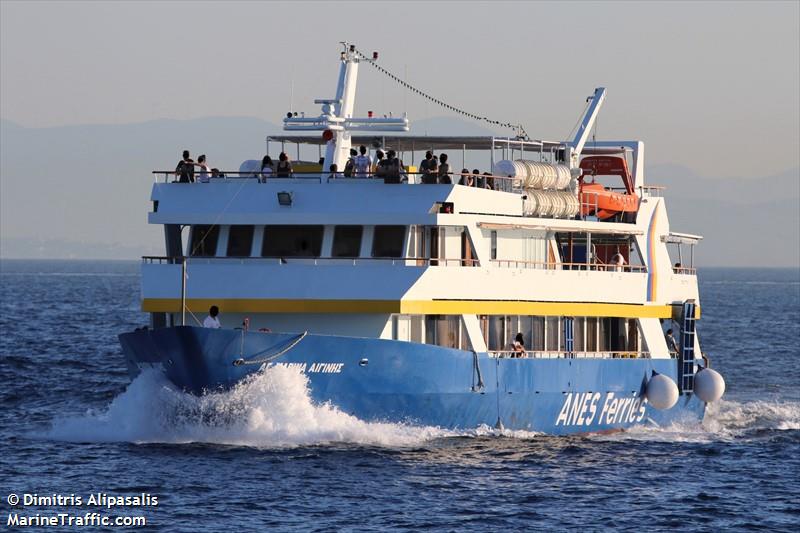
268 358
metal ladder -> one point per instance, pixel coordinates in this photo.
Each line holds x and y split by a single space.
686 362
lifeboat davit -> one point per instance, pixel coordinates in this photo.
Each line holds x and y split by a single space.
599 201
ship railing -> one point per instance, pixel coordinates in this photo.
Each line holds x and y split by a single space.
167 176
563 354
590 205
688 271
354 261
654 191
482 181
549 265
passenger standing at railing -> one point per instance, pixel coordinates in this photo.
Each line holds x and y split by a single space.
466 178
391 168
433 176
478 181
618 261
427 168
488 181
350 166
205 170
444 170
363 163
284 169
519 345
266 169
185 169
376 169
334 172
672 344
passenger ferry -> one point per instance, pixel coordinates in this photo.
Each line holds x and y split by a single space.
534 297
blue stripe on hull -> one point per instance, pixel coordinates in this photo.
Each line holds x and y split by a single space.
394 381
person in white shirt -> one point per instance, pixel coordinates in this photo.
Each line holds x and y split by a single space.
205 170
211 320
363 163
618 262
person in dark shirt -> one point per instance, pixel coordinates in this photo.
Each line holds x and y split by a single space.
672 344
350 165
466 178
390 168
479 182
378 168
428 168
284 169
444 170
185 169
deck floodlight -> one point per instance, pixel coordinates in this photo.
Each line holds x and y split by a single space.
285 198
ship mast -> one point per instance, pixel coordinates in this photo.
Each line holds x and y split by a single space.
336 120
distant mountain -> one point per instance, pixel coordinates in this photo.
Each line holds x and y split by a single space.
83 191
747 221
91 184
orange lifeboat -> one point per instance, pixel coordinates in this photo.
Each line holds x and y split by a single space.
599 201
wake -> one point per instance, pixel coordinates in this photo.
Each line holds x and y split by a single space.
270 409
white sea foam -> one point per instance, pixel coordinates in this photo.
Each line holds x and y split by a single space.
725 420
273 409
268 410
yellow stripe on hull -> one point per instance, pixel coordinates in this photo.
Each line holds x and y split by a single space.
414 307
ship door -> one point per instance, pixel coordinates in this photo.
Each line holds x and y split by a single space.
437 240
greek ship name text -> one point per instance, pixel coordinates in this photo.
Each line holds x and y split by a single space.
314 368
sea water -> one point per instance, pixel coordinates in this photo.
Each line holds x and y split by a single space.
264 456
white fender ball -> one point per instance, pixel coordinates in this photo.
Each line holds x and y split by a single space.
662 392
709 385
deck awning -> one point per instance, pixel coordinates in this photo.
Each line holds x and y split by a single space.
551 226
681 238
407 143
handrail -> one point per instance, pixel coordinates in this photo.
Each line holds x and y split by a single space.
393 261
689 271
503 183
563 354
548 265
406 261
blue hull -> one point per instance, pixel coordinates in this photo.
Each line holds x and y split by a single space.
384 380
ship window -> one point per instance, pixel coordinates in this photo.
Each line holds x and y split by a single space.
347 241
496 326
240 241
578 334
292 241
537 333
591 333
552 333
512 328
204 241
602 334
388 241
493 236
442 330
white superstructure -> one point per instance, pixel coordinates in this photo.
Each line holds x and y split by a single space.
448 264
